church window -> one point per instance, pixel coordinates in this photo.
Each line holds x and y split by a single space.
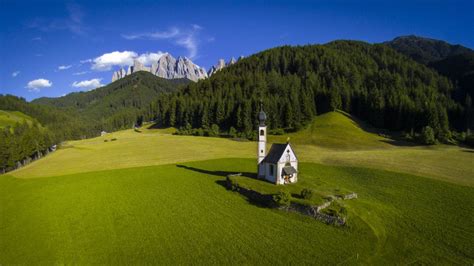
262 132
261 151
271 169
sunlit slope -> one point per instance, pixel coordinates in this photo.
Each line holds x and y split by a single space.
131 149
156 147
10 118
336 130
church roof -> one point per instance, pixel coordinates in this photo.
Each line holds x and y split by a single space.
275 153
289 170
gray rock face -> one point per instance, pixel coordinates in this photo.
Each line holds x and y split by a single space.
167 67
222 64
119 74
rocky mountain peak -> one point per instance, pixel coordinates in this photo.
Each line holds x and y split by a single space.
166 67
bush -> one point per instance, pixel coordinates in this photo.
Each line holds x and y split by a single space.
105 140
231 184
213 131
469 140
282 198
114 139
427 136
307 194
232 132
278 131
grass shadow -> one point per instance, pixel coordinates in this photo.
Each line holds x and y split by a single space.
252 197
400 143
216 173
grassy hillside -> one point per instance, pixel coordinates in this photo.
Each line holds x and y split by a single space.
168 214
10 118
85 204
337 130
332 138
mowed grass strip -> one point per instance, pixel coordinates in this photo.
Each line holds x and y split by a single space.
176 215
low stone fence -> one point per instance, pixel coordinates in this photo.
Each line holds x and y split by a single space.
313 211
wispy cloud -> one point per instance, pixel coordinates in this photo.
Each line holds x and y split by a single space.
16 73
88 84
64 67
36 39
156 35
73 22
37 84
186 38
80 73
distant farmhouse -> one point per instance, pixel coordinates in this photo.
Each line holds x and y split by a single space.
280 165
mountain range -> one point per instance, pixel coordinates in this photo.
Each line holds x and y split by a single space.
169 67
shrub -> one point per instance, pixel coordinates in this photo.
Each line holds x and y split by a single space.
282 198
278 131
231 184
427 136
469 140
114 139
307 193
232 132
105 140
213 131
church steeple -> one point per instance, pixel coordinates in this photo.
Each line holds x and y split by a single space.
262 139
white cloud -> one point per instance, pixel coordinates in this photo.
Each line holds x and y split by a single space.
187 38
16 73
64 67
149 58
88 84
36 39
125 58
106 61
37 84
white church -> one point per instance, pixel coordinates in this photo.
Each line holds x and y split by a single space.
280 165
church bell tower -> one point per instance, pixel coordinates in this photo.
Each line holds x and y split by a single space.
262 141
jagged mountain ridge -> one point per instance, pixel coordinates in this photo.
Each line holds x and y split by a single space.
166 67
222 64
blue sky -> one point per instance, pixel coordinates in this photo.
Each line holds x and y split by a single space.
51 48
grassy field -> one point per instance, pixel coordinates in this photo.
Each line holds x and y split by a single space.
10 118
157 147
152 197
170 214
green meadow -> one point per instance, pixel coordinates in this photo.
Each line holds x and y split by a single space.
153 197
10 118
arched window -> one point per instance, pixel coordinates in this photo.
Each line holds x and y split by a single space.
262 132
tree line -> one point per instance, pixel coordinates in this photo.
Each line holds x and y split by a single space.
22 143
373 82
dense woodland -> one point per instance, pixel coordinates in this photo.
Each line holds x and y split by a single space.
372 82
453 61
22 143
